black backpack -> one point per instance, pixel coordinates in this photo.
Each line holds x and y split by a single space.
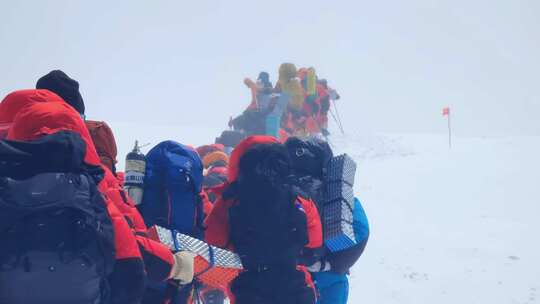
56 235
267 225
252 121
230 138
268 236
309 161
309 156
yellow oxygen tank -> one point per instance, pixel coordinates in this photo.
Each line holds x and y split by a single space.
297 95
290 85
311 77
287 71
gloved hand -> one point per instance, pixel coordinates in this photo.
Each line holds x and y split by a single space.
320 266
183 268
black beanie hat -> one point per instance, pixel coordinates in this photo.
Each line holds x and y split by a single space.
62 85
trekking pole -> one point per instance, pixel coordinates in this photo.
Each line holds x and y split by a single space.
338 117
334 117
337 122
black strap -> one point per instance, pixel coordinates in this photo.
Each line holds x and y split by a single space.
172 289
196 295
175 240
123 195
199 222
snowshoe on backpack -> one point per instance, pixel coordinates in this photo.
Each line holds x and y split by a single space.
328 181
56 234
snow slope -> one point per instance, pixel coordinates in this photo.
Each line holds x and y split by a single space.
448 226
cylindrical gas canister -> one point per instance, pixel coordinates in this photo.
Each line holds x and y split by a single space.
134 176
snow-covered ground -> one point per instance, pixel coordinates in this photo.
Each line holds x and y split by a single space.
448 226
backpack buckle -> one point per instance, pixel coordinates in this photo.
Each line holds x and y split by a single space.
261 268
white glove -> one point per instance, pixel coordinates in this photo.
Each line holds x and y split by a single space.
319 267
183 268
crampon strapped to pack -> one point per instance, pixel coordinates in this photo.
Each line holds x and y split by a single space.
214 266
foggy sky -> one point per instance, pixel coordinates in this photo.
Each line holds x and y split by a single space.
395 63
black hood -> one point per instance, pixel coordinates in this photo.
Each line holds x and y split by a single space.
59 152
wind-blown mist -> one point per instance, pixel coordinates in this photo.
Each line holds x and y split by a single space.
395 63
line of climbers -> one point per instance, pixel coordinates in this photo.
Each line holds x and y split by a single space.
298 105
74 230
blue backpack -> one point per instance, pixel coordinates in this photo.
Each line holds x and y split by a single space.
172 187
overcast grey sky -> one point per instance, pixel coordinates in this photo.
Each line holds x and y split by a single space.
395 63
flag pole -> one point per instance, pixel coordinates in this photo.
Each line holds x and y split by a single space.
449 131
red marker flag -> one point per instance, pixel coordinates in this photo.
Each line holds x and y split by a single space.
446 111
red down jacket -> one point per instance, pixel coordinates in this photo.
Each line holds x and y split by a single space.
34 113
157 257
13 102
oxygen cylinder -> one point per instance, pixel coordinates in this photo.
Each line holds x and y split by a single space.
134 176
311 82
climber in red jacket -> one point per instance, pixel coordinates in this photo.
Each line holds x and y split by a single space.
36 113
263 219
